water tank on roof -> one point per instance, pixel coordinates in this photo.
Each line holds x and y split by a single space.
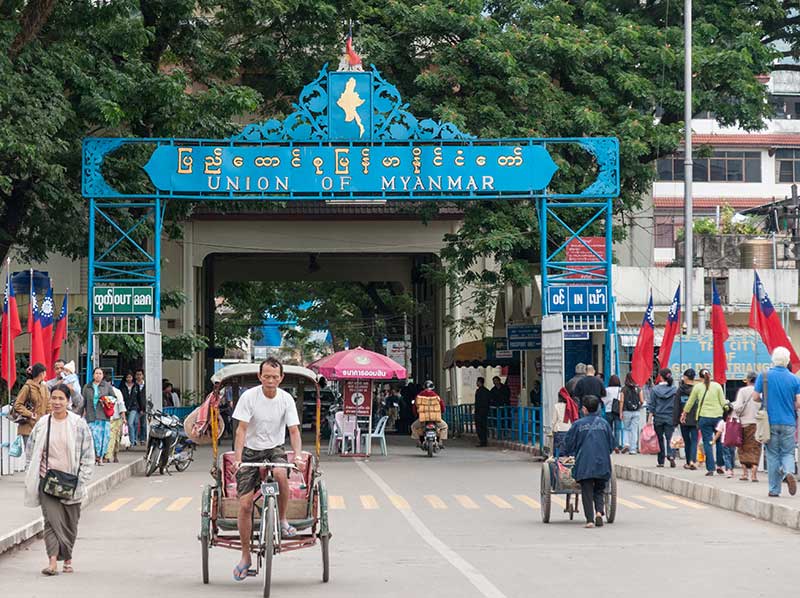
756 253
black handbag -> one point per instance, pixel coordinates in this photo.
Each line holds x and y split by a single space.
58 484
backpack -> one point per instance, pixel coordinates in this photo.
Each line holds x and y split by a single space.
630 400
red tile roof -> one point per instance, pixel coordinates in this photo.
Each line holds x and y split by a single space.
712 202
749 139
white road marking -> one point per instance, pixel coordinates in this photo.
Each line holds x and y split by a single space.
475 577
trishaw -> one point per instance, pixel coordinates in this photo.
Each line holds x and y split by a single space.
557 479
307 512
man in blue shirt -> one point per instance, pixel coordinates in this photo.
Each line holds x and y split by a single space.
782 400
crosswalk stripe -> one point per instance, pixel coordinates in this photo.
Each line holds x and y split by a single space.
686 503
368 502
629 504
466 502
148 504
527 500
116 505
179 504
656 503
498 502
336 502
399 502
435 501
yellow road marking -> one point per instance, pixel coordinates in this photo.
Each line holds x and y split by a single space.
179 504
368 502
629 504
116 505
435 502
527 500
686 503
656 503
148 504
498 502
399 502
336 502
466 502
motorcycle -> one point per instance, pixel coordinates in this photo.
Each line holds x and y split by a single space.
430 439
167 444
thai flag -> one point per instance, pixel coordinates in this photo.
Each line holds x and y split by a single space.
765 320
719 329
60 333
12 328
642 361
671 330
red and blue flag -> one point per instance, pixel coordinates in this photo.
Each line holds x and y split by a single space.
12 328
719 329
765 320
642 360
671 330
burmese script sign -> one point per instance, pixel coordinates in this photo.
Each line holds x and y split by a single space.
505 167
123 301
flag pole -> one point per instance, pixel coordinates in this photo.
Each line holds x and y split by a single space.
7 322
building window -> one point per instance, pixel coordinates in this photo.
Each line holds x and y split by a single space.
723 166
666 228
787 164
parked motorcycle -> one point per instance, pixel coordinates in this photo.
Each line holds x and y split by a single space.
430 439
167 443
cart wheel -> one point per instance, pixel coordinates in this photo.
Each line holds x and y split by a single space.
611 498
570 508
324 541
267 539
205 529
545 492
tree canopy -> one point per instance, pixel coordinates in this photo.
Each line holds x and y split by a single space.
496 68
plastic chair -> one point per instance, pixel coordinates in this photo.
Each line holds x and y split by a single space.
380 433
345 427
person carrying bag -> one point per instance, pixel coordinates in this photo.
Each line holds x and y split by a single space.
762 417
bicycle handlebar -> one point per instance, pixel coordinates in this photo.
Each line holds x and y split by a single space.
267 464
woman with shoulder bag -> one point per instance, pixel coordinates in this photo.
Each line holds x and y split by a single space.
611 402
746 409
630 405
689 428
93 410
710 397
62 456
31 404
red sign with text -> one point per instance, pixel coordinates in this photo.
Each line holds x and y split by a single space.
358 398
578 252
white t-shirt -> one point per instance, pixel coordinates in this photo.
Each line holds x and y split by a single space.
612 392
266 419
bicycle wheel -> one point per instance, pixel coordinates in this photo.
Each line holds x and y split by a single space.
268 522
611 498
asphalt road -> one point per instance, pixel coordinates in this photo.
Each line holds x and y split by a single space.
464 524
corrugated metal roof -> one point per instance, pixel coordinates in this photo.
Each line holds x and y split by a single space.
712 202
749 139
337 210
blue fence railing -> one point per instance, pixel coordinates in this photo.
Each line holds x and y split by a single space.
179 412
515 424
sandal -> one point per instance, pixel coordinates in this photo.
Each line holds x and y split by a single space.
49 572
240 572
287 531
743 479
67 569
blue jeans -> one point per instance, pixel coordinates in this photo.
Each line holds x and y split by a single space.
708 427
689 434
133 426
728 454
631 424
780 455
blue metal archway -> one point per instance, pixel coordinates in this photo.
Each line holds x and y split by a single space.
350 136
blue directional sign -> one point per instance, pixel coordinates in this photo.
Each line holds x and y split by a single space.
577 299
524 337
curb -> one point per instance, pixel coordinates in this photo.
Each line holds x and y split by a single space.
711 495
95 490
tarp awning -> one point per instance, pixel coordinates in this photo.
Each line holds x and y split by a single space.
487 352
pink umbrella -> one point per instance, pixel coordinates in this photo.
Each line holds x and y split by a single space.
358 364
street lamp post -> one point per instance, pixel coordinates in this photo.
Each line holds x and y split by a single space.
687 165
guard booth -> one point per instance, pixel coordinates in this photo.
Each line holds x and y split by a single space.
351 137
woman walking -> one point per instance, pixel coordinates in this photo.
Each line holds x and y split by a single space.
711 400
32 403
94 413
689 429
61 449
746 409
629 411
660 411
611 402
117 421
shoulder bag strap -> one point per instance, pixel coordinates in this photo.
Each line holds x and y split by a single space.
47 445
703 400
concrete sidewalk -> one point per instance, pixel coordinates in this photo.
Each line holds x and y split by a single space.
732 494
20 523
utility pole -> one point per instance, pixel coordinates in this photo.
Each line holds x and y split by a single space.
405 342
688 165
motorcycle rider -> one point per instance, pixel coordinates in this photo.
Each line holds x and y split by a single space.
429 407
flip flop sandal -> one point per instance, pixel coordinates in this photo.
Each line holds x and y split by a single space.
288 531
240 573
49 572
67 569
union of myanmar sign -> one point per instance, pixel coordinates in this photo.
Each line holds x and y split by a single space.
351 136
